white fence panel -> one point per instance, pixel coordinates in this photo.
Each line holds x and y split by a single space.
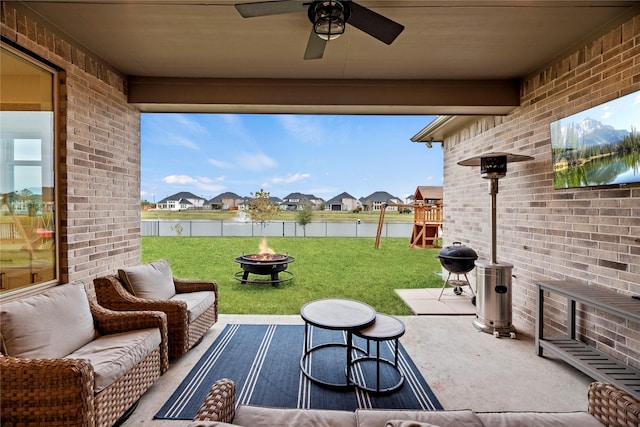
212 228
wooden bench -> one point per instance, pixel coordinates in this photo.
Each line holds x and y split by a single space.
592 362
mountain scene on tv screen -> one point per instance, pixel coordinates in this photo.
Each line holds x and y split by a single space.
587 152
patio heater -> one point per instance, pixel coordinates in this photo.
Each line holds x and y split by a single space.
493 278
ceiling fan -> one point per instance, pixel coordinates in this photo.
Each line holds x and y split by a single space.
329 19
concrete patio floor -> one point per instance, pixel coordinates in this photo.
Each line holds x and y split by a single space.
465 368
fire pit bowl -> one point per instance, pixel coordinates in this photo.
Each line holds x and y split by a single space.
457 258
264 265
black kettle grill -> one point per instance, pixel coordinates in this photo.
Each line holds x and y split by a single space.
458 258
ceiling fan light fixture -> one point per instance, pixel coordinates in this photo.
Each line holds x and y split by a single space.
329 19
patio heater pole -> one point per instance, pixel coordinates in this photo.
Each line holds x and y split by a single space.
493 190
493 278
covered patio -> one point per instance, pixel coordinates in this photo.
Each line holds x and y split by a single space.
465 368
500 72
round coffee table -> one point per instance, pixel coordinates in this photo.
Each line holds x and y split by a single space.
385 328
334 314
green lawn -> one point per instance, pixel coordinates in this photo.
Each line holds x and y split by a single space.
323 267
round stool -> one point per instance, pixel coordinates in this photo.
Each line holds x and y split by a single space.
385 328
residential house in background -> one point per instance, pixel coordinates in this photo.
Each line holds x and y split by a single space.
374 201
342 202
275 200
226 201
181 201
295 201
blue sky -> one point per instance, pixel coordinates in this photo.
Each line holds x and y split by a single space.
324 155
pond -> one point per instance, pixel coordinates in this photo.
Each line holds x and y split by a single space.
607 170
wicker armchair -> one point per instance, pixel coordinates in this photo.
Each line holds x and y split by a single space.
220 404
60 392
613 407
183 332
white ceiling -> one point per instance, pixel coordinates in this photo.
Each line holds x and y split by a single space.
496 40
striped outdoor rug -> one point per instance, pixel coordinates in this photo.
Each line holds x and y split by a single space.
264 361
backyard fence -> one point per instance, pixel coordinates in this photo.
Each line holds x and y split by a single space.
212 228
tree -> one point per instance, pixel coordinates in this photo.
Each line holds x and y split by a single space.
304 216
261 209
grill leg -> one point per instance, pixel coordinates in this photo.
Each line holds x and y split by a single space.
444 285
469 283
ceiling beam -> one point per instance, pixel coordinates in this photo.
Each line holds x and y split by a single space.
313 96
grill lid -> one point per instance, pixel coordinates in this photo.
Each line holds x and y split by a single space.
458 251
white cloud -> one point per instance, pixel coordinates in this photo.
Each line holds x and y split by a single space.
234 125
186 122
200 183
179 179
290 179
182 141
303 128
255 161
162 137
231 119
174 129
220 164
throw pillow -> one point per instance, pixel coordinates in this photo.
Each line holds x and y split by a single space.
52 324
150 281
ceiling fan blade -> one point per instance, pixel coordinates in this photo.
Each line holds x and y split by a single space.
374 24
315 46
265 8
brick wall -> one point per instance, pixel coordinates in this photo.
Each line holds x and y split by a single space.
98 154
592 235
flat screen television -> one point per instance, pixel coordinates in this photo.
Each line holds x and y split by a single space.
599 146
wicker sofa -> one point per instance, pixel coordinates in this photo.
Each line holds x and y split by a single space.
66 361
607 406
191 306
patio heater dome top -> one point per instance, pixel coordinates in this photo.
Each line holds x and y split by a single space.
494 165
511 158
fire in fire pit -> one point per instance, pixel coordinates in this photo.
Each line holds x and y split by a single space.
264 263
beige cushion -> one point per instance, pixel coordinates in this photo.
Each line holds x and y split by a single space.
406 423
260 416
379 417
538 419
112 356
211 424
197 302
150 281
48 325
